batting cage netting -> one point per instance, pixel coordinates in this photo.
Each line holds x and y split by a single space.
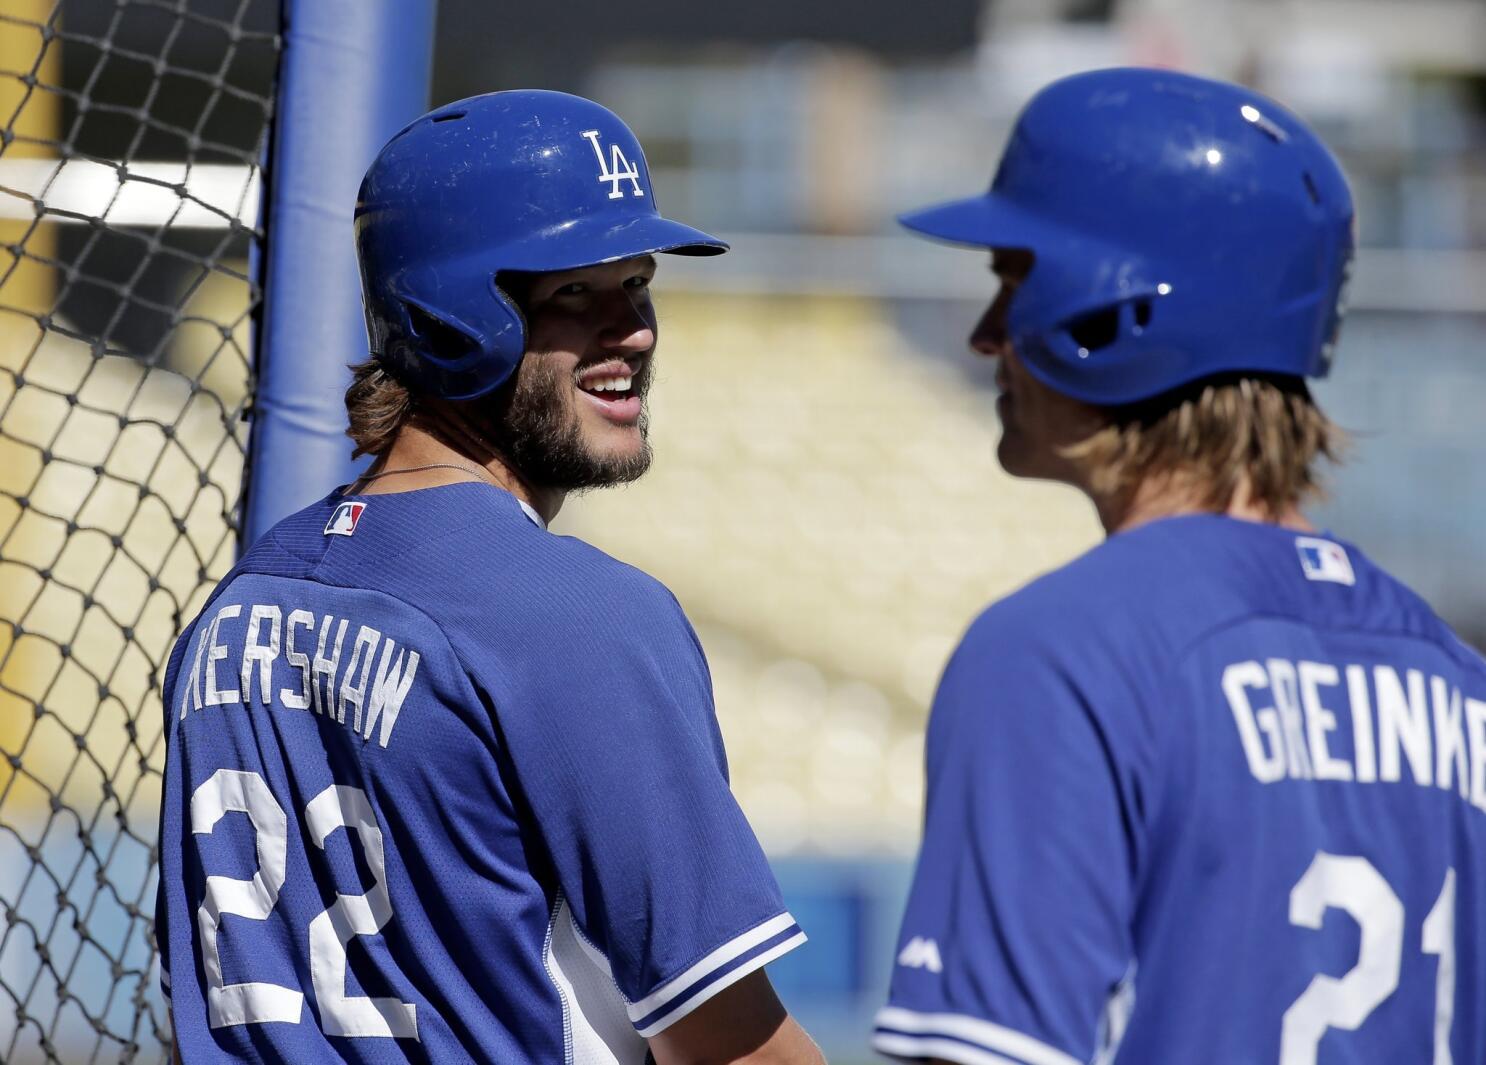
133 133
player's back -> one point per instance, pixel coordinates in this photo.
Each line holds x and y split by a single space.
338 719
384 833
1214 792
1308 742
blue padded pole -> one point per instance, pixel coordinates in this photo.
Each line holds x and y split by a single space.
352 74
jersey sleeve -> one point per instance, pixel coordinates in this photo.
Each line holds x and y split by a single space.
617 751
1016 944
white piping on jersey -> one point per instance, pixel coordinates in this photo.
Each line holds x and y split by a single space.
919 1046
567 1029
919 1028
600 961
724 982
718 958
1117 1010
596 1030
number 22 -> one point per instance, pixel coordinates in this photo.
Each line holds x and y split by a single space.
256 1002
1354 885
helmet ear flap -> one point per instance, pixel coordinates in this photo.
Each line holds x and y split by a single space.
441 339
1094 344
1094 330
461 344
441 355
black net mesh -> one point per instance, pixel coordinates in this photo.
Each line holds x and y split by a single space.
132 136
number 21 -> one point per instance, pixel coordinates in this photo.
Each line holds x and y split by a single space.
1354 885
257 1002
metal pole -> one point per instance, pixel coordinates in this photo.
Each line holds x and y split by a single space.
352 74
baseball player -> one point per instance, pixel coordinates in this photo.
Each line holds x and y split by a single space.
440 785
1216 791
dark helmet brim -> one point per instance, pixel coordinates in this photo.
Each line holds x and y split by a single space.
596 240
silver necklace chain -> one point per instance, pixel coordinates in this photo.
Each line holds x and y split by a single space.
482 474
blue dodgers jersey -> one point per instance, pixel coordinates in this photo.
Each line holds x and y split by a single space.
443 786
1215 792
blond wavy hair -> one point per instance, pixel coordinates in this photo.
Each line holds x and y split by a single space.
1261 436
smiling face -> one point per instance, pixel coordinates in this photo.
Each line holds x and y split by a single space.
1037 423
574 415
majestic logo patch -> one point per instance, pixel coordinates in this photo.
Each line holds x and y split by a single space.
343 519
615 168
1323 560
921 953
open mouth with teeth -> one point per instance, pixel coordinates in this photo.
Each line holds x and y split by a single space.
613 390
601 385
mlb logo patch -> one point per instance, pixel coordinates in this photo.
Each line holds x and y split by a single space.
1323 560
343 519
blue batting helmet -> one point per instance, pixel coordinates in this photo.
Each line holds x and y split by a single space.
525 180
1179 227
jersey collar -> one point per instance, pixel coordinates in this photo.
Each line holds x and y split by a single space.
531 513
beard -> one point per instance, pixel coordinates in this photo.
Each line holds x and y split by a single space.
537 430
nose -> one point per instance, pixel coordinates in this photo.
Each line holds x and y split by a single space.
988 338
630 327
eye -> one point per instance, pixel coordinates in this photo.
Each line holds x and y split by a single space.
639 281
572 288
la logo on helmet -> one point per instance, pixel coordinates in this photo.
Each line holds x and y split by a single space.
616 168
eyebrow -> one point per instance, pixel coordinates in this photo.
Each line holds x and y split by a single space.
640 261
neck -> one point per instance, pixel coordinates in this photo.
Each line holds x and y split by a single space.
423 442
1167 497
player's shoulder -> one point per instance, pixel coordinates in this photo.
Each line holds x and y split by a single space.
568 582
543 599
494 570
1151 591
472 559
1164 586
1133 581
1072 644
